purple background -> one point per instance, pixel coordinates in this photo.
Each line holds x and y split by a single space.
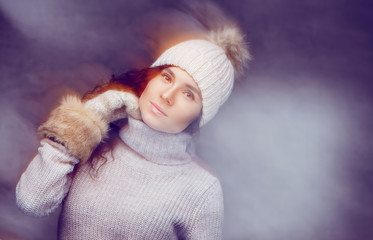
292 146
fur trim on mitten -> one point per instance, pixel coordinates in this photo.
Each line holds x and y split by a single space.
75 126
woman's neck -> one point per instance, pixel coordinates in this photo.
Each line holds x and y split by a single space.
158 147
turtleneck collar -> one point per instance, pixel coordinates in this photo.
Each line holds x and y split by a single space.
158 147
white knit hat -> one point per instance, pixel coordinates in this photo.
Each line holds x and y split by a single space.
209 62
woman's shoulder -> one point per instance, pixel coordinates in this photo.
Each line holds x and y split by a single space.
205 172
203 166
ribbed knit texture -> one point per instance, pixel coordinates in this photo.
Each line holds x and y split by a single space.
210 68
149 188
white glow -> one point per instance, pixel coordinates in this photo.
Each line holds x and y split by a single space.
276 149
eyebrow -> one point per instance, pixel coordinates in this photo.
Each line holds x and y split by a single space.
194 89
170 72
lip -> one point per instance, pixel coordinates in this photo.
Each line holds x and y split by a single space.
157 109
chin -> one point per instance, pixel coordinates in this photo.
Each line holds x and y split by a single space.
161 126
155 124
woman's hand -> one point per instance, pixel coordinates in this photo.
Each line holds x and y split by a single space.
81 126
114 104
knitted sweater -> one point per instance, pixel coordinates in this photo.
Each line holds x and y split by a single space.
149 188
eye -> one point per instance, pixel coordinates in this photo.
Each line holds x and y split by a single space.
189 95
166 77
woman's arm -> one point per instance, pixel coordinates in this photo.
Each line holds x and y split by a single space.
208 220
76 128
46 181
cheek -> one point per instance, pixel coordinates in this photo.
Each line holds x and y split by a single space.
142 100
151 89
145 96
143 105
189 113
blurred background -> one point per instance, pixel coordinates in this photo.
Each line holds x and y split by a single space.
293 146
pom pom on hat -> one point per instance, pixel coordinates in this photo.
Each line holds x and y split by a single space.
231 40
211 63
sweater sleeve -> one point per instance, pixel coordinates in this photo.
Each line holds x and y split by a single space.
208 222
46 181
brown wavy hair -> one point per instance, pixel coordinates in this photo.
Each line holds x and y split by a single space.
133 81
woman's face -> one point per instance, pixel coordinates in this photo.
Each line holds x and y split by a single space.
170 101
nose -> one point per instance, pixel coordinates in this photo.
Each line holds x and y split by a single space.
167 96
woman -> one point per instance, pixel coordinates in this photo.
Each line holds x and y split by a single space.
147 185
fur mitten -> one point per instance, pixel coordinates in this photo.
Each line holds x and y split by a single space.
81 126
